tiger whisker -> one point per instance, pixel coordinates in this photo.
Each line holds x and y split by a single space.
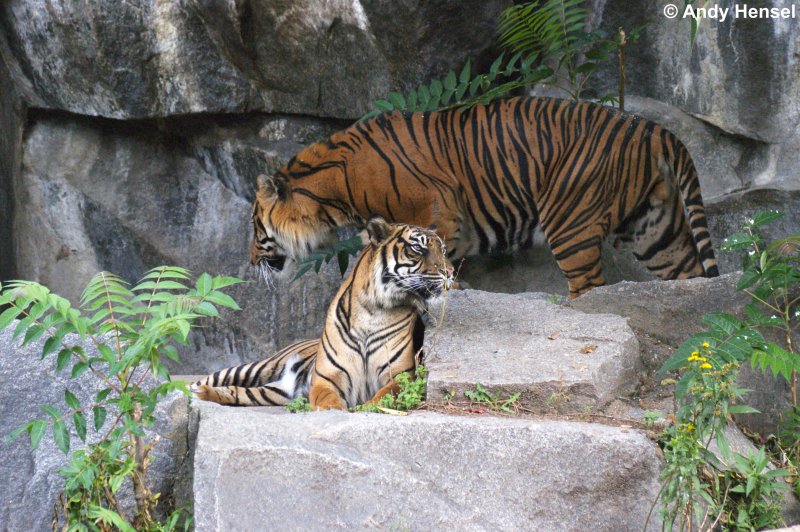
267 273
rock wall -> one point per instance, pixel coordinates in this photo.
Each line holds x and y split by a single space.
161 59
138 131
741 79
10 148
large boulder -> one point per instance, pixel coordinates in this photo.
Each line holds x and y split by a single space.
557 358
741 75
343 471
143 59
31 483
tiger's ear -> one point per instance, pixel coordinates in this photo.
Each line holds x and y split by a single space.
376 231
271 186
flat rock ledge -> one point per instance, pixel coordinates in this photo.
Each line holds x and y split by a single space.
526 343
261 467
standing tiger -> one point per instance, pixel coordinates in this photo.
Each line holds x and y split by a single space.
373 330
487 176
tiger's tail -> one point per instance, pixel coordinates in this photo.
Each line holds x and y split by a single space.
275 380
682 167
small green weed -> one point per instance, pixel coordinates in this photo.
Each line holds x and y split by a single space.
558 399
411 394
650 417
494 401
298 404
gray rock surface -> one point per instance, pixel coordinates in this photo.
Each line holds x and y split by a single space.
524 343
741 74
30 480
143 59
669 311
419 472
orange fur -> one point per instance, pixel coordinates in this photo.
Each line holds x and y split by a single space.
488 175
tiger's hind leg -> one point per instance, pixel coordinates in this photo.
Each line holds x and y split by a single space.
275 380
392 388
294 382
240 396
663 240
578 256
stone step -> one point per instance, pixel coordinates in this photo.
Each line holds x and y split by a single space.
526 343
264 468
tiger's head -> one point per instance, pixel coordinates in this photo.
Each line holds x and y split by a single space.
288 224
408 265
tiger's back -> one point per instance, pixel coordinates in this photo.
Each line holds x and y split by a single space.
488 175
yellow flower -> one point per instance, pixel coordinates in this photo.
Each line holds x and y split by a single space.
705 366
706 345
695 353
692 358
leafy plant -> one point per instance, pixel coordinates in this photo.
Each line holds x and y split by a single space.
132 330
741 491
494 401
771 277
694 21
298 404
650 417
410 396
754 492
539 36
553 32
465 89
700 490
342 250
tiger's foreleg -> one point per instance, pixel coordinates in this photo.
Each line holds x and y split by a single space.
392 388
325 396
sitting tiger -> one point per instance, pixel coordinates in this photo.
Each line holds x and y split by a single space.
487 176
373 330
